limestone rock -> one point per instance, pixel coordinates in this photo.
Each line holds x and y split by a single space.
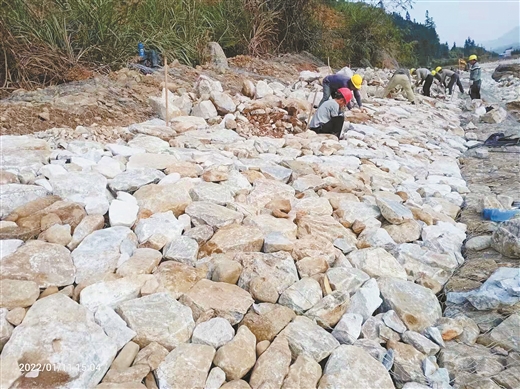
272 366
44 263
182 249
366 300
329 310
122 213
505 334
158 318
237 357
407 363
15 195
54 331
214 215
216 378
416 305
393 211
112 293
267 320
88 225
302 295
377 262
420 342
114 326
354 365
185 367
151 355
234 238
177 278
215 332
304 373
16 293
143 261
228 301
59 234
133 179
107 246
348 329
163 198
87 189
304 336
158 230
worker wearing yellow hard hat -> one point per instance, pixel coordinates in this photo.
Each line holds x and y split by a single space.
412 71
438 69
336 81
474 77
428 81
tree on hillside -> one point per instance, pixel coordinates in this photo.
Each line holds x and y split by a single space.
392 4
407 16
429 23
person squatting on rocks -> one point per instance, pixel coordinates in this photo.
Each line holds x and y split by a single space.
334 82
329 118
474 77
401 78
453 76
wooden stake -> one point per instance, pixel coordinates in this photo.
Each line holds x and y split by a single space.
166 89
311 110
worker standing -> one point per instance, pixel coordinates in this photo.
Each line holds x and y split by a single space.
401 78
329 117
336 81
474 77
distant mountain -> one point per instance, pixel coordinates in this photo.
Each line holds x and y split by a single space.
510 39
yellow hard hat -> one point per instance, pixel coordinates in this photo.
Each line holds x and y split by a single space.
357 80
412 70
438 69
472 57
434 72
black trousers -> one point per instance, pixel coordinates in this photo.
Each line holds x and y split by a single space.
334 126
427 85
474 90
455 79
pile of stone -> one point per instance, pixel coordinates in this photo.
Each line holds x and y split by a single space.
197 256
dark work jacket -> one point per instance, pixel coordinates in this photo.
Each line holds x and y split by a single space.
337 81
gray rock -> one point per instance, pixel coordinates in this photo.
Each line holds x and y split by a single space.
216 378
53 331
506 238
366 300
501 289
114 326
209 191
214 215
505 335
479 243
158 318
348 329
185 367
306 337
346 279
354 365
393 321
420 342
133 179
159 229
182 249
393 211
107 246
87 189
276 241
302 295
14 195
377 262
215 332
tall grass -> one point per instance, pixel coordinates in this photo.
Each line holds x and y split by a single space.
52 41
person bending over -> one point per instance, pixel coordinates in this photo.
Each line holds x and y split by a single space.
329 118
401 78
334 82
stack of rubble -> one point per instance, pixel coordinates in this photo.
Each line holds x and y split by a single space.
195 255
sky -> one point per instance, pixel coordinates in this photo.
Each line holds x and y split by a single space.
482 20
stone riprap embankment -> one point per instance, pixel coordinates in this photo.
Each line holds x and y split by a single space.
198 256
